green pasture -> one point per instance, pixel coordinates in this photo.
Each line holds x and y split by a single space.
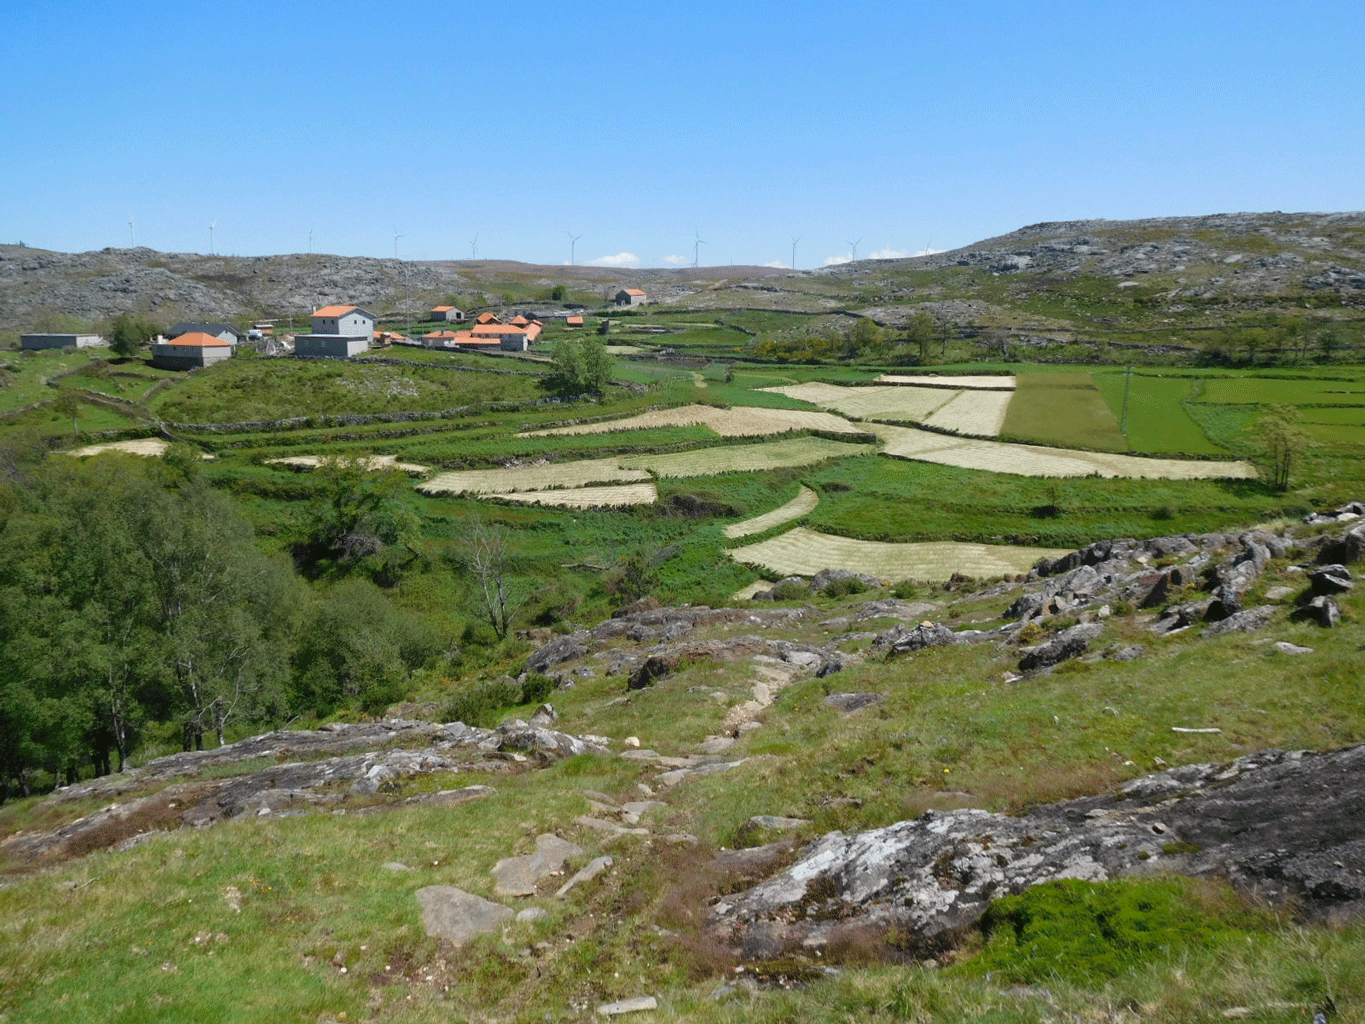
1263 390
1158 422
1064 409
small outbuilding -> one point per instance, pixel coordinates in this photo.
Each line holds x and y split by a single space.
630 297
34 342
190 351
446 314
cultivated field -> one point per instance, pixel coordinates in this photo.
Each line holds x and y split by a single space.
153 447
1033 460
986 381
804 552
741 421
803 503
980 413
892 402
746 458
370 462
532 478
1063 408
603 496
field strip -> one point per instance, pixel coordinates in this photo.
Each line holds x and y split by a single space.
532 478
741 421
799 506
605 496
745 458
803 552
890 402
984 381
1034 460
973 412
370 462
151 447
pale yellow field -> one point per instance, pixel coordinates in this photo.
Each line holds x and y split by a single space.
928 381
741 421
885 403
151 447
794 509
606 496
973 412
532 478
799 451
804 552
370 462
1035 460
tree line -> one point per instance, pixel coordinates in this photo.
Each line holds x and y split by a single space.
132 593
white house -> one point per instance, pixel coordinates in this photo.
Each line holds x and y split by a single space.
339 332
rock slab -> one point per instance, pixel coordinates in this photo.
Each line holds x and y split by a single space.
457 916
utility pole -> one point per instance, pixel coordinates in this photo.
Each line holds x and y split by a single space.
1127 387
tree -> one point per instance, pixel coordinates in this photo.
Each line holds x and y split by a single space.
864 336
567 362
595 363
359 519
486 558
920 331
1282 444
128 333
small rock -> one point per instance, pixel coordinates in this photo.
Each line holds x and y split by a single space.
631 741
1322 609
775 822
850 702
633 1005
1279 593
586 873
1246 621
1285 647
1131 653
394 865
533 914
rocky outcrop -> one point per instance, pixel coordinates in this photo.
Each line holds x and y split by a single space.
1288 826
1071 642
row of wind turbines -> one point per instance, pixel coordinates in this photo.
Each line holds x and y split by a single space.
697 243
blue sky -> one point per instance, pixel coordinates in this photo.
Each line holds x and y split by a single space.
896 125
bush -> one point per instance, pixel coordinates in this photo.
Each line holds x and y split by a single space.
844 587
791 590
482 704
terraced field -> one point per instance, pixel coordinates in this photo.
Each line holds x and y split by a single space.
746 458
1035 460
985 381
799 506
804 552
543 477
978 413
602 496
891 402
741 421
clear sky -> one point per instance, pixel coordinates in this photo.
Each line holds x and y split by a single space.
641 128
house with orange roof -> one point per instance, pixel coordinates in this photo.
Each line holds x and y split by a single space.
573 321
488 318
463 341
339 332
511 338
190 350
630 297
446 314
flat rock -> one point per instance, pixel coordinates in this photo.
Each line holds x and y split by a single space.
586 873
1069 643
774 822
636 1004
1246 621
1285 647
518 876
850 702
458 916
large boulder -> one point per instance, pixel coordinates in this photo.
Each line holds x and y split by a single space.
1069 643
1288 826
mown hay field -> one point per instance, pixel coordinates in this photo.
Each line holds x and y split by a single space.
373 463
1064 409
152 447
987 381
745 421
532 478
892 402
1033 460
746 458
601 496
980 413
799 506
804 552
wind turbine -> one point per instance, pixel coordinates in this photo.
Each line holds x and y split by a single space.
474 248
855 251
696 246
211 227
132 231
396 237
573 241
310 240
794 241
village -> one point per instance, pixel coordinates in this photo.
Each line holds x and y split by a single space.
338 331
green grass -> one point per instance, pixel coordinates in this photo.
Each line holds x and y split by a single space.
1064 409
1158 422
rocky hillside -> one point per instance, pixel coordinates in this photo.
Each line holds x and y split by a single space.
1247 260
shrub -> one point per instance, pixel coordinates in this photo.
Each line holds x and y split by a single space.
844 587
483 703
791 590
